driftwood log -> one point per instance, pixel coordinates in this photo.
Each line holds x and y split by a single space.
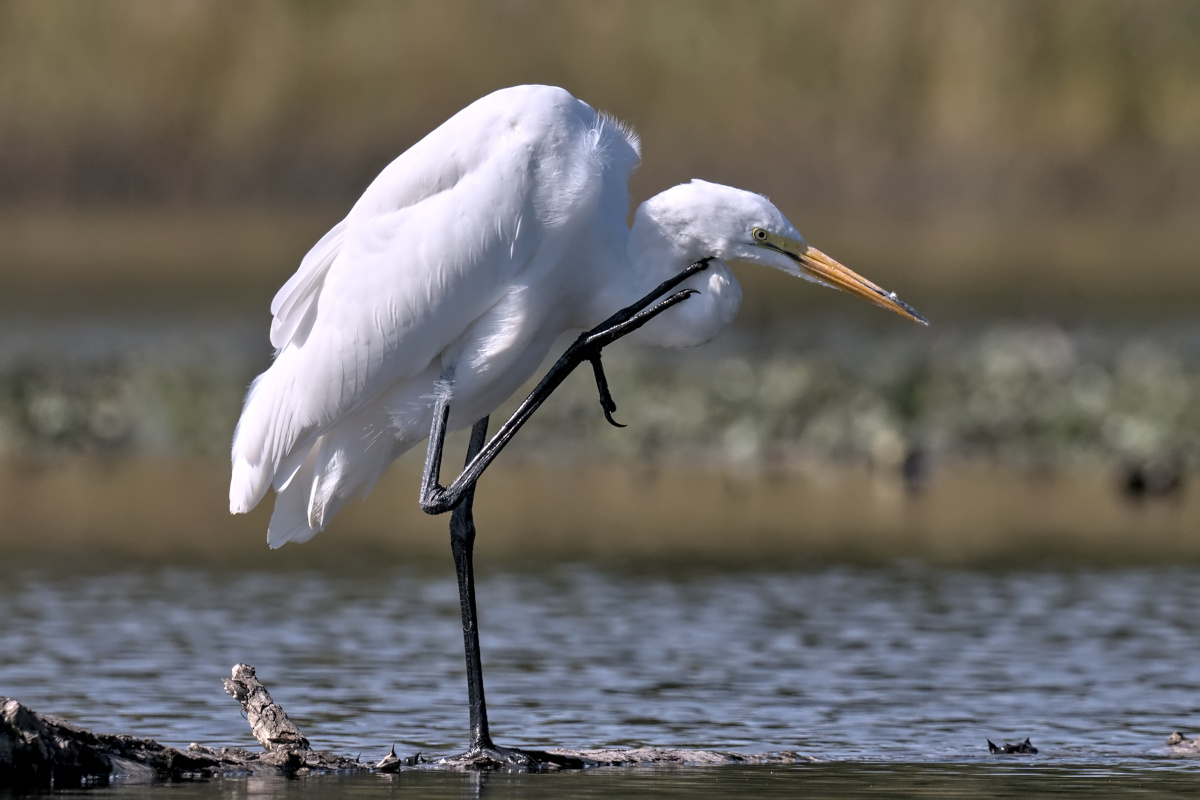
41 751
268 721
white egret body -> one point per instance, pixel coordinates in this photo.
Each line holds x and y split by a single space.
455 272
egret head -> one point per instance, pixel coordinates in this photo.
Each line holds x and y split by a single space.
701 219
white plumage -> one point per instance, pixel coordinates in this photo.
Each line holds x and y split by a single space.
456 271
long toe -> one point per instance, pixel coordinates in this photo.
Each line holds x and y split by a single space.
511 759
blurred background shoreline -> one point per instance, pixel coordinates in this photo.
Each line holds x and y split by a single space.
1026 174
1004 443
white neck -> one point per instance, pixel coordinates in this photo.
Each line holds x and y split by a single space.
660 247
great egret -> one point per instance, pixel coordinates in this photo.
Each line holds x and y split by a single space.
444 287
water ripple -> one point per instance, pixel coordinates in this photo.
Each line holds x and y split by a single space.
898 664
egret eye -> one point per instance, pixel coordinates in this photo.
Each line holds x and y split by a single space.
759 234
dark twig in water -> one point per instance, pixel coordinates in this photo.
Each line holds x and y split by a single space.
1010 749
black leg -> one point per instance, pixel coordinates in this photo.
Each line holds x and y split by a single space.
462 544
438 499
483 753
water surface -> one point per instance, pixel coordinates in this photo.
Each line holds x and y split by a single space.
900 664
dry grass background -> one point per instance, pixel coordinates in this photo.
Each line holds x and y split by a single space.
1007 156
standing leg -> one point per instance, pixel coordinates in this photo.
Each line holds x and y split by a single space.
462 544
483 753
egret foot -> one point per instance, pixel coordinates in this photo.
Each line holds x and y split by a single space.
510 759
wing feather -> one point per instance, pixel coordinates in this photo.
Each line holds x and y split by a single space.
294 305
440 237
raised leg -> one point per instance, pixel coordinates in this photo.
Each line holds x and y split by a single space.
438 499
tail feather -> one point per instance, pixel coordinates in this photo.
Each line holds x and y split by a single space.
247 486
289 520
352 456
315 469
344 461
266 438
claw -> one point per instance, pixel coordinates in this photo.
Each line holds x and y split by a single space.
611 421
606 401
593 341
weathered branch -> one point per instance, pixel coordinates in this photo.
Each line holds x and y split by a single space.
43 751
268 721
39 750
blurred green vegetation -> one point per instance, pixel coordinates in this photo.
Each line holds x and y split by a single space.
1028 154
1023 396
109 388
1019 396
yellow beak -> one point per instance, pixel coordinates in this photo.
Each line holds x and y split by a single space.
831 273
826 270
